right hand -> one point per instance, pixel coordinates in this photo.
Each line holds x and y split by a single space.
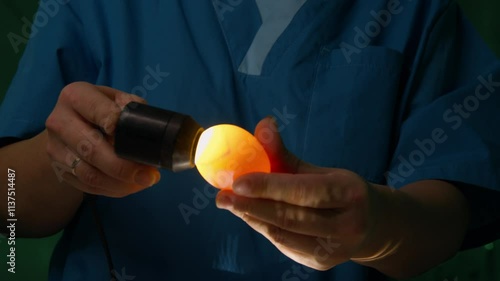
82 125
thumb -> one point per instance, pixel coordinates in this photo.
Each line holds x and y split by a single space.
282 160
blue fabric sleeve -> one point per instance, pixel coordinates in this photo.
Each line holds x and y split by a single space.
449 129
55 56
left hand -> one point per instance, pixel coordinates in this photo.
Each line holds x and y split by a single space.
319 217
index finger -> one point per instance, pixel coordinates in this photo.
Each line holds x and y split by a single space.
319 191
96 104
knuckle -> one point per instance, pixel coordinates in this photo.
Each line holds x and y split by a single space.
243 205
281 218
121 170
53 124
93 108
68 93
108 122
358 195
88 151
285 219
335 193
104 116
277 235
91 177
299 191
264 183
355 227
246 218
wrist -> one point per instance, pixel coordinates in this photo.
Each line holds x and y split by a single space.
385 234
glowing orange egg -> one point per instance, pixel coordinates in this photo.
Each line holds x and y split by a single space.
225 152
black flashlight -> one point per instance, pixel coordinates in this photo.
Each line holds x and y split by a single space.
157 137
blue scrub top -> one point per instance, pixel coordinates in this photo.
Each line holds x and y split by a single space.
397 91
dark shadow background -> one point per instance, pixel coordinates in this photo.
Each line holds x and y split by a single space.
33 255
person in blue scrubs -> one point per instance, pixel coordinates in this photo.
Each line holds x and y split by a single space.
385 140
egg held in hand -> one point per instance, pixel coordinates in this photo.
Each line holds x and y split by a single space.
226 152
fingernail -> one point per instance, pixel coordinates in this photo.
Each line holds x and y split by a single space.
157 176
224 201
146 178
242 188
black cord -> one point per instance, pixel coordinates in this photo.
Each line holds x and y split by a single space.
102 235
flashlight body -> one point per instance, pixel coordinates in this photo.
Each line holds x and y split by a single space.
157 137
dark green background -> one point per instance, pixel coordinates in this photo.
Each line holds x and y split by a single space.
33 254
